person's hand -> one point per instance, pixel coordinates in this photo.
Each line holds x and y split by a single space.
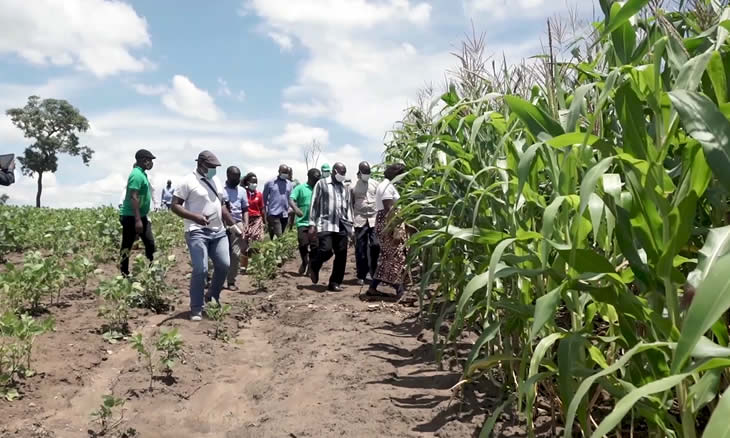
312 232
200 220
299 212
138 226
237 230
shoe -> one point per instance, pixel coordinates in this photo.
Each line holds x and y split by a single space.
314 276
302 269
232 287
207 298
360 282
197 316
335 288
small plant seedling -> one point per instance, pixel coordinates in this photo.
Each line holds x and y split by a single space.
17 334
105 415
218 313
144 354
117 294
169 345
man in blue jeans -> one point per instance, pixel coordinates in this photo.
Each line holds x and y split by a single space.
200 201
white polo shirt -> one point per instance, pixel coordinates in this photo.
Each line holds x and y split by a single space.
200 199
386 191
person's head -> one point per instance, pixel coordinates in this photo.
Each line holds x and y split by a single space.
326 170
284 171
313 176
169 183
393 170
250 181
144 159
340 173
233 176
207 164
363 171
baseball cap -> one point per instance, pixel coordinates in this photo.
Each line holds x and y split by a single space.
144 153
208 158
326 167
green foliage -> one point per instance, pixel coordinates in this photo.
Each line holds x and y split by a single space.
569 224
106 415
169 345
218 313
17 334
26 287
118 293
144 353
269 255
154 290
53 125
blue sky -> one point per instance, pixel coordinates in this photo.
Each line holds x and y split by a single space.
254 81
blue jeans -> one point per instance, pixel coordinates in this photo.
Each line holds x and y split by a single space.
203 244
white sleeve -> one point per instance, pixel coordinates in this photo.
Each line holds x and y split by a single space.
183 190
390 193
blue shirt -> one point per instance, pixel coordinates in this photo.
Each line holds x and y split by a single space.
276 197
239 202
167 195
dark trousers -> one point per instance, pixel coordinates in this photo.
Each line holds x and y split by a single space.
367 251
129 235
331 244
277 225
307 246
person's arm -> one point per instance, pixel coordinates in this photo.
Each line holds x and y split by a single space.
227 218
314 209
245 219
178 209
134 199
266 194
293 204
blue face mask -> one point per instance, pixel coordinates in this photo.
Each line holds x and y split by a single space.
211 172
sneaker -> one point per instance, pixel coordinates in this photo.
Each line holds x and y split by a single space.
197 316
360 282
232 287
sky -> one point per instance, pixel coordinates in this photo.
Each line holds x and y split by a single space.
254 81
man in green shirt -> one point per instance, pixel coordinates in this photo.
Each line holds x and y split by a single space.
135 209
301 201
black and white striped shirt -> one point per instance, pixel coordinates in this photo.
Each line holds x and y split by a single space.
330 207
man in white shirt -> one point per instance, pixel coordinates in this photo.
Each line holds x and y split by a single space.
367 248
200 200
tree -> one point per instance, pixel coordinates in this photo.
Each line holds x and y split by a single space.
54 125
312 153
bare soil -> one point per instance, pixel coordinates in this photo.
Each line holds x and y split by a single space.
299 362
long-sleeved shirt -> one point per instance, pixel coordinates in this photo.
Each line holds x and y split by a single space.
276 197
6 177
363 203
331 211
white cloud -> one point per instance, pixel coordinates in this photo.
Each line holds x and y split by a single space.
150 90
284 41
94 35
190 101
225 91
313 108
296 134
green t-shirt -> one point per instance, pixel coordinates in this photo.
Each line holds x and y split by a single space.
137 181
302 196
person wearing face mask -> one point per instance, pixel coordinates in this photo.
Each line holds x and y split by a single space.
300 202
276 200
367 247
201 201
391 234
326 171
256 217
238 206
135 208
330 222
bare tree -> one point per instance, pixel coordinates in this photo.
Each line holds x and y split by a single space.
312 153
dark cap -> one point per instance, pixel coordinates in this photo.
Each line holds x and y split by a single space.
144 153
207 158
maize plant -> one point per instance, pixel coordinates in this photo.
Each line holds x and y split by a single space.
578 227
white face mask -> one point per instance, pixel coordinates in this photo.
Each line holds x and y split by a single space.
339 178
326 174
252 187
365 178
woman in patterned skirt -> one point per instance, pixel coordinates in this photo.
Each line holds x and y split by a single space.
392 261
256 217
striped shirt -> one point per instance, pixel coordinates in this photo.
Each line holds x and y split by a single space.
330 207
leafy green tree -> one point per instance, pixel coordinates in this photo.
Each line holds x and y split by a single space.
54 125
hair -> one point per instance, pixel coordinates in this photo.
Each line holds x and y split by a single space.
393 170
314 173
247 179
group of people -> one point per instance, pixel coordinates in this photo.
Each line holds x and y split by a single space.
222 221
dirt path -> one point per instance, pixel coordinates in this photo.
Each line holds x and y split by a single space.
300 362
